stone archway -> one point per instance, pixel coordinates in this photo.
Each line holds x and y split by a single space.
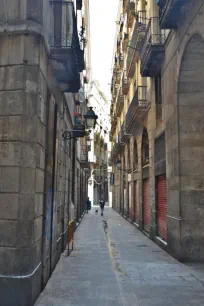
191 150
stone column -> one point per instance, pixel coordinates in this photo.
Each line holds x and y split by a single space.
23 97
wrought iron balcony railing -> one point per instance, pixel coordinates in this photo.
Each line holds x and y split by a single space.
124 135
170 12
67 58
131 12
125 42
138 106
125 83
136 42
152 52
64 33
120 104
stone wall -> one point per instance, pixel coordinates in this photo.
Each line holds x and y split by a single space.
27 84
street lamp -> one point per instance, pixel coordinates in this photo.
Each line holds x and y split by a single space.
90 119
79 127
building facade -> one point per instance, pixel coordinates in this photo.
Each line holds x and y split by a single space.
43 175
157 151
99 142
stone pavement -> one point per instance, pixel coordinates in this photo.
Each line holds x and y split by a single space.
114 264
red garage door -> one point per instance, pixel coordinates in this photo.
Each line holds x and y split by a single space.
162 206
146 205
137 209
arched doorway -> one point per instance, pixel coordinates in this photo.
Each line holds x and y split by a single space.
191 149
146 182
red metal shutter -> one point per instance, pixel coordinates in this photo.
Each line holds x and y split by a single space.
137 210
162 206
146 205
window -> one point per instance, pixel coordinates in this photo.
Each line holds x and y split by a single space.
145 148
158 91
135 165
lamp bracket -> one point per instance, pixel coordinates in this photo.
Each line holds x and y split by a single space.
67 135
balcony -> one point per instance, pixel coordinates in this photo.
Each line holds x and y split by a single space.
130 13
84 157
120 104
118 45
118 77
170 12
153 51
125 42
138 107
136 42
121 61
67 58
124 136
125 84
118 146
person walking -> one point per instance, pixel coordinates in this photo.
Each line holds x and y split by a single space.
102 205
88 205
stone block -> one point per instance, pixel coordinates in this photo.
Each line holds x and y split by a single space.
37 252
8 233
9 179
192 205
39 182
38 225
10 154
41 109
31 78
195 167
40 157
11 78
41 131
26 210
192 183
4 41
23 261
7 262
10 128
191 99
43 60
29 158
15 50
190 241
11 103
9 206
174 237
25 233
39 200
27 180
31 49
15 291
42 85
30 104
29 131
190 153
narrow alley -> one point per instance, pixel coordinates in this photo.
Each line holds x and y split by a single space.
114 264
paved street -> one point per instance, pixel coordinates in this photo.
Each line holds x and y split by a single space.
114 264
